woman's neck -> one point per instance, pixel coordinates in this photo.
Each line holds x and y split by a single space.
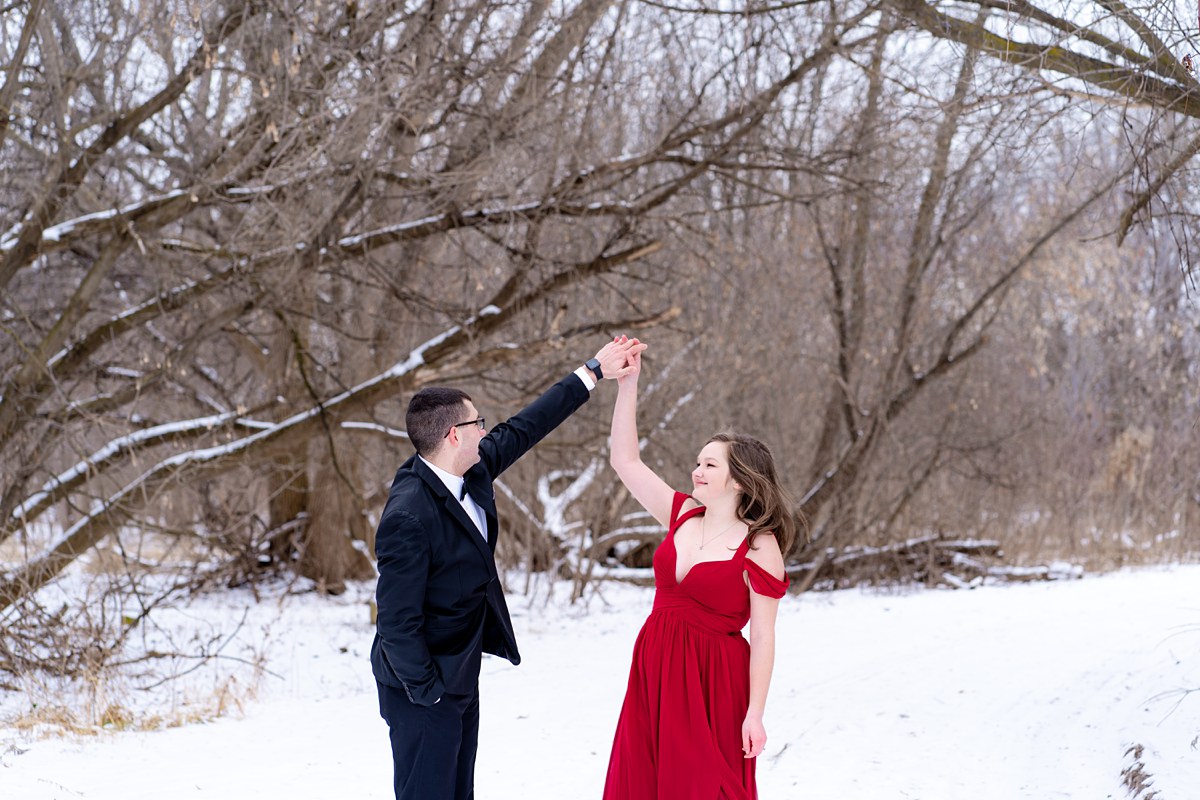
722 509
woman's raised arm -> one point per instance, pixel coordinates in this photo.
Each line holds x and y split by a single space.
625 456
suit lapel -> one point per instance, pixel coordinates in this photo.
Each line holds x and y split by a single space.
481 491
466 527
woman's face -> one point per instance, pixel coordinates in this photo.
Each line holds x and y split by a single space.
710 478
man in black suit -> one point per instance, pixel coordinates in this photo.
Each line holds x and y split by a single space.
439 598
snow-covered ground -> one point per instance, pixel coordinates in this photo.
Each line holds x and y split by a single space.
1004 692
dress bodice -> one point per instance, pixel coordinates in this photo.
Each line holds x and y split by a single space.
713 594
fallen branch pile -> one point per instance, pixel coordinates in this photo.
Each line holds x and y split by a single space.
931 560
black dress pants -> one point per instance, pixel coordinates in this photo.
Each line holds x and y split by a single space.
433 748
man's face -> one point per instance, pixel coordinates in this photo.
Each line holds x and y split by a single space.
466 438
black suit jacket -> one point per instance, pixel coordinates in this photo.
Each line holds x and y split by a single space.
439 598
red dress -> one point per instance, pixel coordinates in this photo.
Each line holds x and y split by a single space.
679 736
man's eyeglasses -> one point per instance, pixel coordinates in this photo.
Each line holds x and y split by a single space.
478 422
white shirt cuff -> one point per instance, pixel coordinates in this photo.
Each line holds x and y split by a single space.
585 375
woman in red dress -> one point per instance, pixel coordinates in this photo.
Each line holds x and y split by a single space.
692 722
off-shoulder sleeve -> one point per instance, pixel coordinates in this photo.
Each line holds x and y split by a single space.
764 582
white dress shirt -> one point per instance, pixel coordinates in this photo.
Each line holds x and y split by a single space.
589 380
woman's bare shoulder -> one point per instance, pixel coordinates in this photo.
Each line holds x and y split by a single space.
765 552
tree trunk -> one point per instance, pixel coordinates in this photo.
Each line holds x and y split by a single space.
335 522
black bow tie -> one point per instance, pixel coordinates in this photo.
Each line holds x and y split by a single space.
462 495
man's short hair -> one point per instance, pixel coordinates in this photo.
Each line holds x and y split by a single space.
431 412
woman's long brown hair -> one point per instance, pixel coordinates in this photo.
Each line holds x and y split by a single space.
764 505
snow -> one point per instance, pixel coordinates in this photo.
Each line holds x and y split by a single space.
1021 691
129 312
9 239
359 239
112 448
56 233
101 505
377 428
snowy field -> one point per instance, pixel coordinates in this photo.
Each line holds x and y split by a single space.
997 693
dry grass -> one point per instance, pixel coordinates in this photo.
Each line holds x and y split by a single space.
1136 779
103 663
109 707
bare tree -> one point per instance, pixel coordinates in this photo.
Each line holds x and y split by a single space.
873 319
223 264
242 253
1135 57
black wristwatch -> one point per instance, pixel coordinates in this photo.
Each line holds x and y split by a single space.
594 365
